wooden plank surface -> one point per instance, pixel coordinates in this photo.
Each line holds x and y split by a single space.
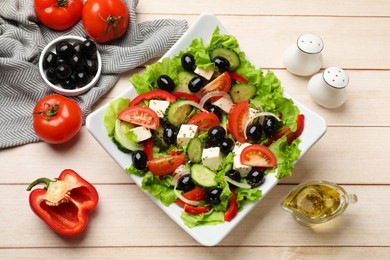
354 151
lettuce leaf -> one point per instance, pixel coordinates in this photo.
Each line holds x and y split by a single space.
159 188
111 113
209 218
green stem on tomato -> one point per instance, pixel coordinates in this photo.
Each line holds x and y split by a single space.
50 112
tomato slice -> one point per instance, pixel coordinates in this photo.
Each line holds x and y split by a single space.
148 148
166 164
258 155
195 210
300 126
221 83
197 194
236 121
204 121
232 210
238 77
140 116
154 94
186 96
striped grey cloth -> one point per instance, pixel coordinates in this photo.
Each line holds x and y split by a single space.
22 38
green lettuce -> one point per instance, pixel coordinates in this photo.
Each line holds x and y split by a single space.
159 188
286 154
111 113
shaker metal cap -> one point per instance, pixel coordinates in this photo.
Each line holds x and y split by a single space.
336 77
310 43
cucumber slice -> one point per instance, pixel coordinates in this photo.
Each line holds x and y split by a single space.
176 114
121 130
194 150
184 77
242 92
230 55
203 176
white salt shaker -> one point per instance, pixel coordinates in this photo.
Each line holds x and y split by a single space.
304 58
328 89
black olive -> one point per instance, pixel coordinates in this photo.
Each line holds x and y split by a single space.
185 183
166 83
216 134
60 61
255 178
81 78
63 71
68 83
197 83
270 125
77 46
221 63
169 134
49 60
91 66
226 145
213 196
76 62
52 76
139 159
64 49
254 132
188 62
216 110
89 48
234 175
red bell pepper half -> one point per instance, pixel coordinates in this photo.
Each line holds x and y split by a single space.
64 202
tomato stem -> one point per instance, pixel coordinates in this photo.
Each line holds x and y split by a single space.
111 23
49 112
62 3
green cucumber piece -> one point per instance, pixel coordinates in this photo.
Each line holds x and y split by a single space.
184 77
242 92
194 150
176 114
122 131
230 55
203 176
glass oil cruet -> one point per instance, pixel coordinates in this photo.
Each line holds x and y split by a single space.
317 202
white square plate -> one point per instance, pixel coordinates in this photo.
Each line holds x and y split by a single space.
203 27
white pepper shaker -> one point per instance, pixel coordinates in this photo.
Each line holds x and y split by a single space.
304 58
328 89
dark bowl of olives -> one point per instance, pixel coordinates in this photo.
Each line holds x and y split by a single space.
70 65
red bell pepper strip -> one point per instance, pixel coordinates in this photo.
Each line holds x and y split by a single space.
238 77
232 210
64 202
277 135
186 96
154 94
196 194
148 148
195 210
300 126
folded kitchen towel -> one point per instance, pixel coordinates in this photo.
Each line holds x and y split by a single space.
22 39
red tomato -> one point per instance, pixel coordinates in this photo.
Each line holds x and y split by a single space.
105 20
236 121
258 155
148 148
238 77
56 119
221 83
166 164
186 96
140 116
58 14
154 94
197 194
195 210
300 126
204 121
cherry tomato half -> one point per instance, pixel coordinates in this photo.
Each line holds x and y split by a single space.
56 119
258 155
166 164
58 14
204 121
105 20
236 121
154 94
221 83
140 116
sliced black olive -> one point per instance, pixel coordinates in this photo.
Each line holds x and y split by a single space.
185 183
226 145
139 159
197 83
82 78
255 178
76 62
49 60
64 49
166 83
52 76
89 48
221 63
68 83
63 71
77 46
213 196
188 62
91 66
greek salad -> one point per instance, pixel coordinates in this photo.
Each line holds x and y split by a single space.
205 129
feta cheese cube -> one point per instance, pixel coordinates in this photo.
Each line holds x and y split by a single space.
207 74
158 106
239 147
142 133
237 165
185 134
212 157
223 103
